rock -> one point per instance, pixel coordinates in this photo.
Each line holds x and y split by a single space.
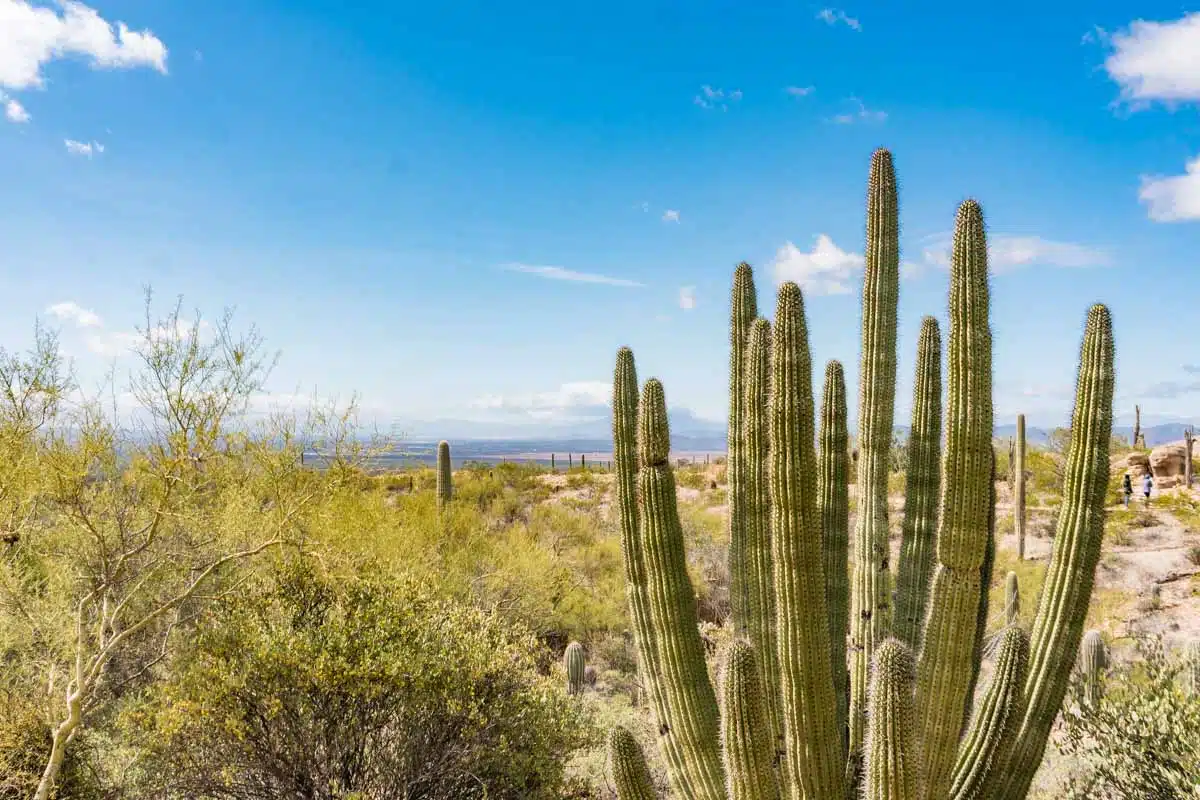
1135 463
1166 464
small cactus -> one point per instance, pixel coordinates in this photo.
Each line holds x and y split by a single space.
575 663
628 765
1093 661
445 478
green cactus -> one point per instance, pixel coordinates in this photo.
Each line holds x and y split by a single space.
627 763
574 662
743 306
892 767
746 735
870 610
1018 471
1191 669
833 499
445 477
758 582
1093 661
993 729
1012 599
947 753
922 484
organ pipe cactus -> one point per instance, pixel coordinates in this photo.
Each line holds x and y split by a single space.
574 662
833 498
743 310
946 751
445 480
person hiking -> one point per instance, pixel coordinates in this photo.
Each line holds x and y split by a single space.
1127 489
1147 483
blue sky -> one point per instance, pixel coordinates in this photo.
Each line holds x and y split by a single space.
461 209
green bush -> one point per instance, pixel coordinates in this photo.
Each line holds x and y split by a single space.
365 687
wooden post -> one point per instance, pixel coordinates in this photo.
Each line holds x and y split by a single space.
1019 489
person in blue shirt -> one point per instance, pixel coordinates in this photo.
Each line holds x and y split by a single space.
1147 484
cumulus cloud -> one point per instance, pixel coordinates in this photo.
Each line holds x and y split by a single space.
687 298
1006 253
826 269
70 311
85 149
32 36
716 98
14 111
834 16
1156 61
575 400
101 341
1174 198
561 274
670 215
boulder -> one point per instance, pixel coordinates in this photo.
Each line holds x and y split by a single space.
1135 463
1166 464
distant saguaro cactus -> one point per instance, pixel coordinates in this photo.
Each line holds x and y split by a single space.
445 479
1093 661
575 663
922 738
1019 488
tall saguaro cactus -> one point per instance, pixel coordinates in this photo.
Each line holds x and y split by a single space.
925 742
743 310
1019 487
922 483
445 476
833 492
870 609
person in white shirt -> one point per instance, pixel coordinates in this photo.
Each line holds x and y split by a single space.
1147 484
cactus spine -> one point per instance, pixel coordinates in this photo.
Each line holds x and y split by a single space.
628 765
870 613
814 750
996 755
745 732
445 478
1071 573
922 484
573 660
743 310
892 767
1093 661
1019 488
833 497
1012 599
759 576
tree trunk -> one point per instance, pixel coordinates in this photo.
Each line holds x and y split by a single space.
58 747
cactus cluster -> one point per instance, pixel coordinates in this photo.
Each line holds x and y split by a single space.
445 479
828 690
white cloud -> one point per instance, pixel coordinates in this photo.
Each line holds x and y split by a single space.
14 111
826 269
1007 252
70 311
87 149
561 274
862 114
832 16
1175 198
687 298
800 91
31 36
670 215
1156 61
716 98
571 400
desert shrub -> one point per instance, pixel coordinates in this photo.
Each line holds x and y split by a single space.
310 686
24 747
1141 741
692 477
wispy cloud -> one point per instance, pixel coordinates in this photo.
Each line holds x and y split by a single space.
561 274
862 114
86 149
99 340
1174 198
1006 253
1191 369
833 16
826 269
1169 390
1156 61
570 401
670 215
716 98
70 311
800 91
32 36
13 110
687 298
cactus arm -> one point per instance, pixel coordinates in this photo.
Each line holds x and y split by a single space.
743 310
814 750
950 643
628 765
922 484
834 500
892 767
745 734
1067 590
687 705
994 726
870 614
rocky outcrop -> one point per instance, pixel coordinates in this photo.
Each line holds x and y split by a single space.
1166 464
1135 463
